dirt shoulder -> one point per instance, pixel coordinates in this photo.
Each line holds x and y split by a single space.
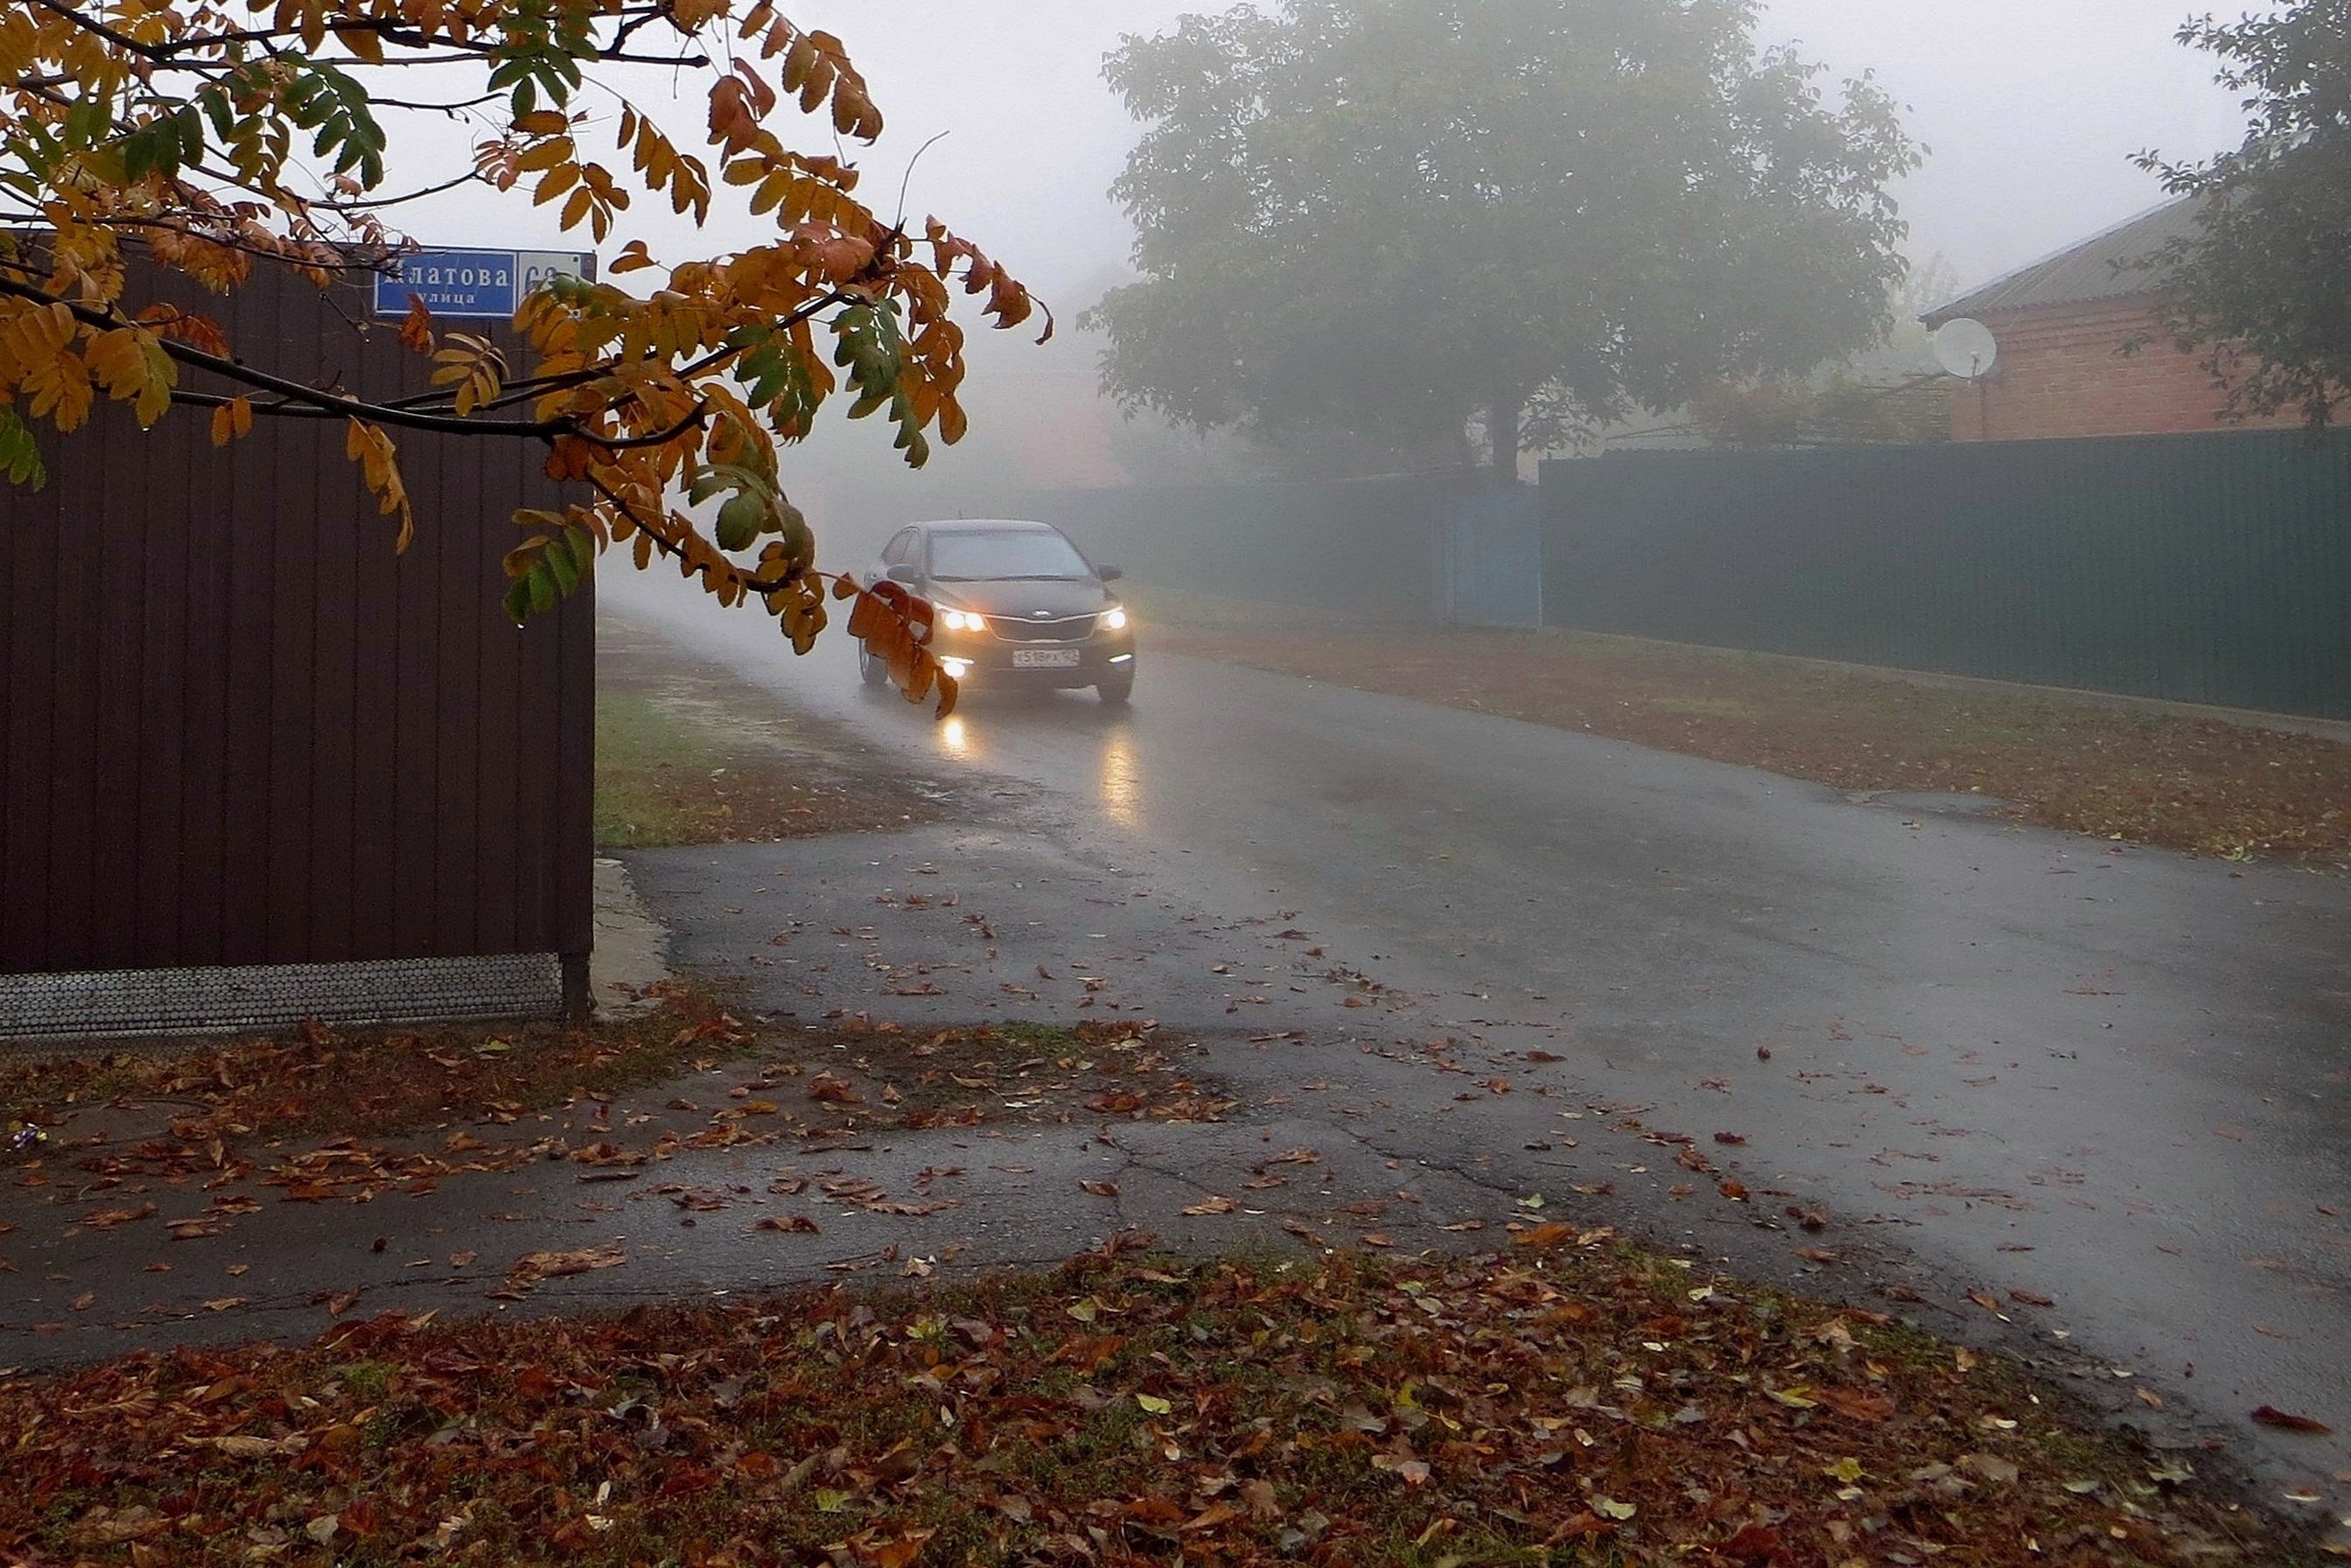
2203 785
687 754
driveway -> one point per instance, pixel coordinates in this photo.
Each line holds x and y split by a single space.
1936 1053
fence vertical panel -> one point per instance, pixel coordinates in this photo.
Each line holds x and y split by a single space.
2210 568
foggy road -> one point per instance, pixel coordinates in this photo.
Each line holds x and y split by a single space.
2108 1078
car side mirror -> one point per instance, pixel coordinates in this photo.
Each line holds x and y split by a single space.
905 572
1109 573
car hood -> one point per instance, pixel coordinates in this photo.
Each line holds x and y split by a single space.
1013 601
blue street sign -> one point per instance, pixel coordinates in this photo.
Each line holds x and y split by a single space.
484 283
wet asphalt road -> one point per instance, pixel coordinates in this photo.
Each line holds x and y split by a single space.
1998 1058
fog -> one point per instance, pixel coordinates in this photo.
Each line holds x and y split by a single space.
2030 112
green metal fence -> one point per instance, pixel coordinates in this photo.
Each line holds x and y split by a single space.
2209 568
1352 544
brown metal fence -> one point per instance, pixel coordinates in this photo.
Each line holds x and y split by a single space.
235 729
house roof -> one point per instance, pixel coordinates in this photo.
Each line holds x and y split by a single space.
2095 269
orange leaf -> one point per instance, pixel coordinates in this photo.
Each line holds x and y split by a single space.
2271 1416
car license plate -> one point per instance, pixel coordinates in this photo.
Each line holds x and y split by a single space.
1044 658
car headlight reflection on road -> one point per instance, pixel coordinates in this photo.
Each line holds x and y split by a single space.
957 668
1114 618
963 620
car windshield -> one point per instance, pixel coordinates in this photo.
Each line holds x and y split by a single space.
967 556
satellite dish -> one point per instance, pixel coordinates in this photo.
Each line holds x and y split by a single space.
1966 348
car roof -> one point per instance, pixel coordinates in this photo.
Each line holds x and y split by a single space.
987 526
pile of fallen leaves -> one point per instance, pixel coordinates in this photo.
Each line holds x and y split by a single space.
964 1076
2173 780
1570 1402
365 1082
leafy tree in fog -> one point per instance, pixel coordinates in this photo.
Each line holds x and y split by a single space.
1399 216
2264 288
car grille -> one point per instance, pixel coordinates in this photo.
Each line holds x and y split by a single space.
1067 629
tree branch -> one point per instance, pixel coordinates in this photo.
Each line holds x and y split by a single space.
357 205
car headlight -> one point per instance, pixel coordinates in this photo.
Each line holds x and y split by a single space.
963 620
1114 618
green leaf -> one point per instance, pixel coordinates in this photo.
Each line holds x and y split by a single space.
20 456
562 569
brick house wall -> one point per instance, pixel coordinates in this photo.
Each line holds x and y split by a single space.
2062 373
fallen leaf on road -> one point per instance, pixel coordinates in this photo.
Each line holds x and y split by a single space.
223 1303
796 1224
1736 1191
82 1302
533 1267
2271 1416
1213 1206
1100 1189
2030 1298
1985 1300
1735 1140
827 1090
1546 1235
1376 1239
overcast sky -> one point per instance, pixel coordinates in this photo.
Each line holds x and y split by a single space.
2032 108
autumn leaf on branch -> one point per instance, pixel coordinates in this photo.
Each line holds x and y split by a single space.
209 146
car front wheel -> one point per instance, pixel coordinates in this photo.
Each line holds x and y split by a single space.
1117 689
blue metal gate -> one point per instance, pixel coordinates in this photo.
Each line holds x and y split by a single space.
1489 565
